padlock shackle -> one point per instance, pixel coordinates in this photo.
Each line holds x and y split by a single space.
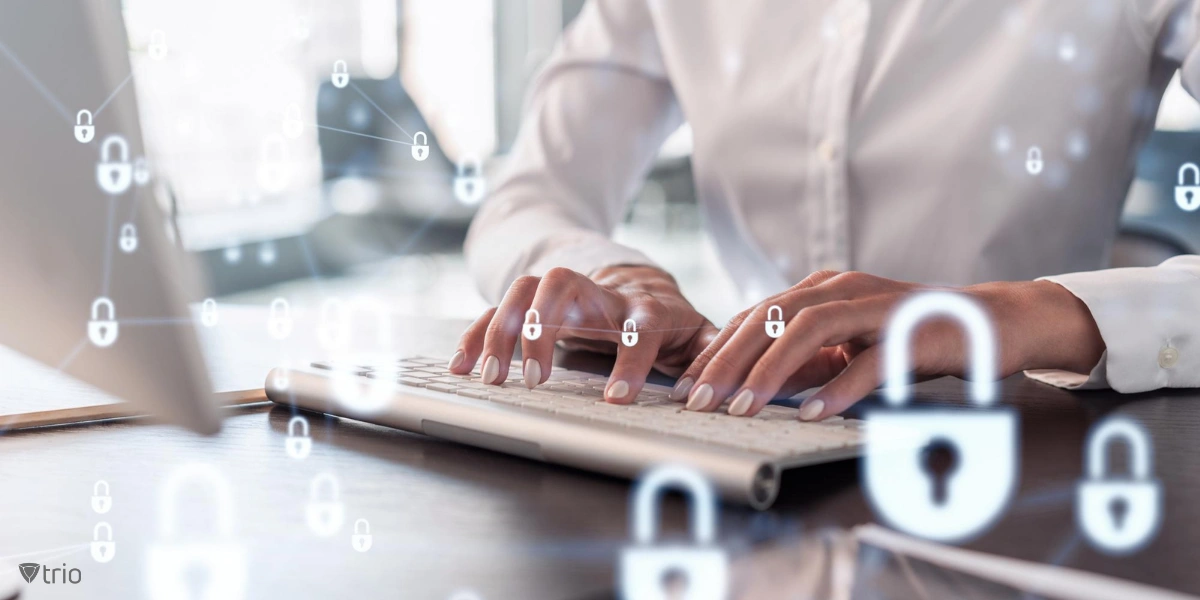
1140 453
204 473
315 484
343 65
630 326
208 305
127 230
303 425
96 531
699 491
424 139
1195 173
366 527
120 142
537 319
105 302
470 160
280 304
95 487
81 113
772 309
923 306
1034 153
383 319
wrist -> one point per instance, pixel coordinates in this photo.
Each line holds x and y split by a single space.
636 278
1045 326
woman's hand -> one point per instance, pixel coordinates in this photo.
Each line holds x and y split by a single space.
833 334
589 313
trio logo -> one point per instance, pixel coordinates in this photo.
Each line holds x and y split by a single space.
29 572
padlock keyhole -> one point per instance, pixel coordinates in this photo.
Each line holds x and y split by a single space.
939 459
675 584
1118 507
774 328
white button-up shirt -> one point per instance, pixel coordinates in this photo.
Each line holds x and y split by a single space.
935 141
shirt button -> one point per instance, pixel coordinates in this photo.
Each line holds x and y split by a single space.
1168 357
827 150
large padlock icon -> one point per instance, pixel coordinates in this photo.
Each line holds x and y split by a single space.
158 44
702 566
292 125
324 516
208 313
101 503
959 502
775 325
532 329
1119 515
175 565
1033 160
103 550
333 332
279 319
340 75
629 334
103 332
298 445
1187 196
141 171
420 149
114 176
128 240
274 169
469 184
363 394
361 541
84 132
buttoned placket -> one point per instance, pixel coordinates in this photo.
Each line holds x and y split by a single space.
828 106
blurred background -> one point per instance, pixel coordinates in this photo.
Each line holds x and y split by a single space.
284 184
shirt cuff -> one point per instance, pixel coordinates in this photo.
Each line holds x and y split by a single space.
1146 318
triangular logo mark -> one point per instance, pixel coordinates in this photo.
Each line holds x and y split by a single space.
29 571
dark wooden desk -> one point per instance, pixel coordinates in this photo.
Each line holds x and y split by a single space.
446 517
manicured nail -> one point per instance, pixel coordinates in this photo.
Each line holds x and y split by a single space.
618 390
811 408
682 387
491 370
700 397
533 373
741 403
456 360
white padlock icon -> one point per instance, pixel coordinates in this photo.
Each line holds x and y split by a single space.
962 501
420 149
1119 515
84 132
324 516
128 240
629 334
646 565
279 320
101 503
158 44
103 551
141 171
469 184
340 75
274 169
361 541
533 325
174 565
298 445
292 125
1033 160
1187 196
114 176
368 395
775 325
208 313
333 332
103 332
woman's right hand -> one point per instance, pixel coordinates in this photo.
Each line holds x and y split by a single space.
589 312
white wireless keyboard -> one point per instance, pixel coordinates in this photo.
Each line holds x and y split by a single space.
775 432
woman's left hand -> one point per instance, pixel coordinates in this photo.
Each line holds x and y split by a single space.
834 323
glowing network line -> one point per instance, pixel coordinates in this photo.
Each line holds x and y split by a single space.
37 84
381 111
366 135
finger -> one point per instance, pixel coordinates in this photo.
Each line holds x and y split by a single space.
634 360
860 378
562 295
470 345
687 380
500 339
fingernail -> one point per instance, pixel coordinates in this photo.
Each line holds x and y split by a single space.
456 360
811 408
491 370
741 403
700 397
618 390
533 373
682 387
